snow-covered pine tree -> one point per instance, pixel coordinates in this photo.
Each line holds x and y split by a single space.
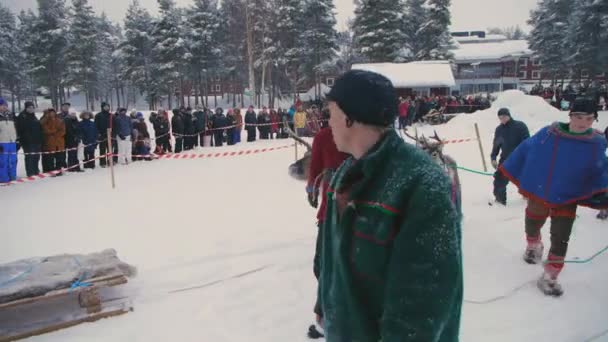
82 54
290 24
50 43
9 53
435 33
585 35
25 37
136 50
550 23
378 29
319 39
415 17
203 31
110 62
232 35
169 48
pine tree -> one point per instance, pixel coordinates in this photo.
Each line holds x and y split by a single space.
25 38
319 39
435 33
82 56
136 50
110 63
585 36
49 46
414 19
289 28
378 29
169 48
8 60
233 45
203 38
549 21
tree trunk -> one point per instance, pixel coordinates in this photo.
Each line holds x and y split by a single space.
122 93
118 96
250 48
13 100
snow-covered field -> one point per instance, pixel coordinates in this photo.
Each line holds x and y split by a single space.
240 225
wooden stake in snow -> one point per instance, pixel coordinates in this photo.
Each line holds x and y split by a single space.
483 159
111 156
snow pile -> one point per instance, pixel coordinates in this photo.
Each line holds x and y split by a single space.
533 110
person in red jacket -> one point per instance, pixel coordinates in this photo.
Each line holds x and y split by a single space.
404 107
325 159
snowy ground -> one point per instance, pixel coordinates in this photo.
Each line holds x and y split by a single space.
187 223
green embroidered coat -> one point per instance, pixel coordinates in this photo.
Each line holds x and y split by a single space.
391 262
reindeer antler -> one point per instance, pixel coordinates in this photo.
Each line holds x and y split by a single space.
436 137
295 137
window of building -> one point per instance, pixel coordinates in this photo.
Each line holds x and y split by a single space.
217 78
585 73
523 74
536 62
218 88
330 81
536 75
602 74
523 62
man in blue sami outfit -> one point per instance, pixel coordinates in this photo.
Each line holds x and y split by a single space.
562 166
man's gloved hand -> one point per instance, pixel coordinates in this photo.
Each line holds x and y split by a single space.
313 195
494 164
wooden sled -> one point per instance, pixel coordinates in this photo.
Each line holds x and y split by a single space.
63 308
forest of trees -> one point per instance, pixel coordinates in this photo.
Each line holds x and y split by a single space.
570 36
65 45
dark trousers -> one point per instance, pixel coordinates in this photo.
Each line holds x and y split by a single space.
52 161
316 266
89 156
164 143
73 160
103 149
251 134
402 122
218 138
562 221
179 145
500 187
32 161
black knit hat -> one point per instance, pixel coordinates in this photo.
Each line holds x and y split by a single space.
504 112
29 104
365 97
584 105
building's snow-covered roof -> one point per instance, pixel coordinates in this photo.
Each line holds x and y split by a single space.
491 50
415 74
488 38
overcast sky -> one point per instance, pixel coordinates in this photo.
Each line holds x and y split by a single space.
466 14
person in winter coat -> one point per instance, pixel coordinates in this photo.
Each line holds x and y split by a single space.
274 128
73 136
238 117
391 257
178 129
89 139
124 130
200 124
64 115
324 161
230 127
103 122
508 135
162 131
250 124
562 166
300 122
404 108
189 130
263 121
219 123
53 130
142 142
30 137
8 144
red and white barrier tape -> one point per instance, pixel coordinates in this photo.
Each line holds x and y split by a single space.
53 152
458 141
45 175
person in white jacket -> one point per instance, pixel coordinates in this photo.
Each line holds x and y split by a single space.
8 144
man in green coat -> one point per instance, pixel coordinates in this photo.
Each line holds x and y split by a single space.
391 260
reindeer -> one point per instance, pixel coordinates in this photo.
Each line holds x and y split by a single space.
434 147
300 169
